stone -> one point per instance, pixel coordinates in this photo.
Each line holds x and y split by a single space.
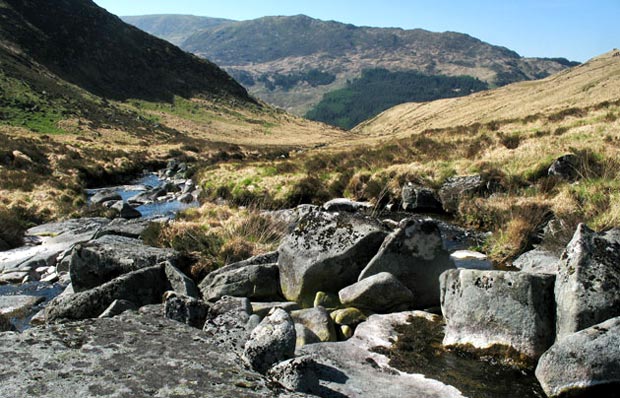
380 292
185 309
126 211
227 322
255 281
414 254
128 228
296 374
348 205
118 307
587 288
326 252
348 316
458 188
263 308
583 364
18 306
136 354
537 261
105 195
318 321
144 286
470 259
565 167
355 368
186 198
419 199
253 322
326 300
304 336
179 282
100 260
495 309
346 331
272 341
13 277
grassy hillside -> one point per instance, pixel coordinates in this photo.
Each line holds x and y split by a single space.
173 28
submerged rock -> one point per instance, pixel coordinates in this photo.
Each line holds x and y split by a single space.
326 252
498 312
584 364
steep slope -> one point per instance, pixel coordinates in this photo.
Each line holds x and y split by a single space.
268 48
173 28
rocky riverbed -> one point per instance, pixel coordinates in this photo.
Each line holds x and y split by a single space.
348 306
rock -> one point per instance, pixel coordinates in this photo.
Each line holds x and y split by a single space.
318 321
565 167
583 364
263 308
118 307
128 228
380 292
134 355
272 341
227 322
188 186
126 211
490 310
13 277
346 331
457 188
253 322
188 310
470 259
179 282
296 374
255 281
414 254
326 252
354 368
348 316
105 195
18 306
326 300
105 258
5 324
292 216
144 286
186 198
587 288
304 336
348 205
419 199
537 261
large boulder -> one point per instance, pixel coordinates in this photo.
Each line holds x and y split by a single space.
414 254
587 289
498 309
326 252
98 261
179 282
318 321
129 228
584 364
142 287
297 374
255 281
272 341
381 293
458 188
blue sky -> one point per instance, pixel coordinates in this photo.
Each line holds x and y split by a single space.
574 29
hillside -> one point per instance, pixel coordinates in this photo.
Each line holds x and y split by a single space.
262 50
173 28
86 99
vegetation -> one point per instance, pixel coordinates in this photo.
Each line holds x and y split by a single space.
313 77
379 89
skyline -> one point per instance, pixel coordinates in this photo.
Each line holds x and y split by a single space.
572 29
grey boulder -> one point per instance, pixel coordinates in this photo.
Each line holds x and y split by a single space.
188 310
326 252
587 289
585 363
318 321
126 211
565 167
537 261
381 293
490 309
105 196
179 282
228 320
272 341
255 281
414 254
296 374
419 199
458 188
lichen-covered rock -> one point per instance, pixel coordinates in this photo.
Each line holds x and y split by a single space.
185 309
179 282
227 322
316 319
142 287
584 364
254 281
100 260
326 252
415 255
494 309
272 341
348 316
118 307
564 167
458 188
380 292
296 374
304 336
537 261
128 228
587 289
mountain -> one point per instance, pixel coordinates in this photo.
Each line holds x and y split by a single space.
272 55
173 28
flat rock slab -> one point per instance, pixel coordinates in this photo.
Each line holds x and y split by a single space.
131 355
18 305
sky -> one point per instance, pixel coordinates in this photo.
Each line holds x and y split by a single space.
573 29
